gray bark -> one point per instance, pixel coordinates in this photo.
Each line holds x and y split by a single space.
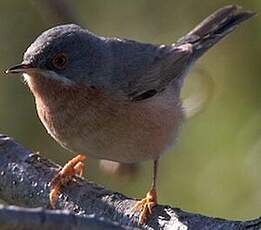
18 218
24 178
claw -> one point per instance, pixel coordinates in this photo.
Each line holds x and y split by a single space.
145 206
71 168
53 195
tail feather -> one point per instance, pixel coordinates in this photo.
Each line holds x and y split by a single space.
214 28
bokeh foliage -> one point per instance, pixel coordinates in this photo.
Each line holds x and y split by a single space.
216 165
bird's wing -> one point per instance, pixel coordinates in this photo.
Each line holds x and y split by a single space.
166 67
145 70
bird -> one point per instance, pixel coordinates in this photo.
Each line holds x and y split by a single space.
115 99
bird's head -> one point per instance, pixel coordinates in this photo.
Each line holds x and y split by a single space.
67 53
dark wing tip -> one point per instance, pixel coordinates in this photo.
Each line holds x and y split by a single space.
216 18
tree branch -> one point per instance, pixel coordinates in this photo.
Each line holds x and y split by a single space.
24 178
17 218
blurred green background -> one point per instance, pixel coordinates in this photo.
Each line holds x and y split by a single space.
215 167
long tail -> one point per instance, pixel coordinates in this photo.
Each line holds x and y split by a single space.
214 28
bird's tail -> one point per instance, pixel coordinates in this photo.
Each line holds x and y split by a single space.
214 28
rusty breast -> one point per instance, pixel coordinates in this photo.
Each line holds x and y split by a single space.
83 119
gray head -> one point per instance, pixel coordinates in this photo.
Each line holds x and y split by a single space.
72 54
65 51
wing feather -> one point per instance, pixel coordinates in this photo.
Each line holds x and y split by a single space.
142 70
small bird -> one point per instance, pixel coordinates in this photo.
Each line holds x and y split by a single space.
112 98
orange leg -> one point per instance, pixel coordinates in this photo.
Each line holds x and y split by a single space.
146 204
73 167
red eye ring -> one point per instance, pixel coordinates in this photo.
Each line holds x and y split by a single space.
59 61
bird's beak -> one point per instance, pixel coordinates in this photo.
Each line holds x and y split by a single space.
20 68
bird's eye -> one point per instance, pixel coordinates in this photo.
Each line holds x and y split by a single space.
59 61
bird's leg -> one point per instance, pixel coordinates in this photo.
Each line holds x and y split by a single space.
73 167
146 204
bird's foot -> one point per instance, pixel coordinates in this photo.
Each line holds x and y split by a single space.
145 205
73 167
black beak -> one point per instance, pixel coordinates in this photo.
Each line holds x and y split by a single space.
20 68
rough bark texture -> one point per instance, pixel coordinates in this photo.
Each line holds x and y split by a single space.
17 218
24 178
